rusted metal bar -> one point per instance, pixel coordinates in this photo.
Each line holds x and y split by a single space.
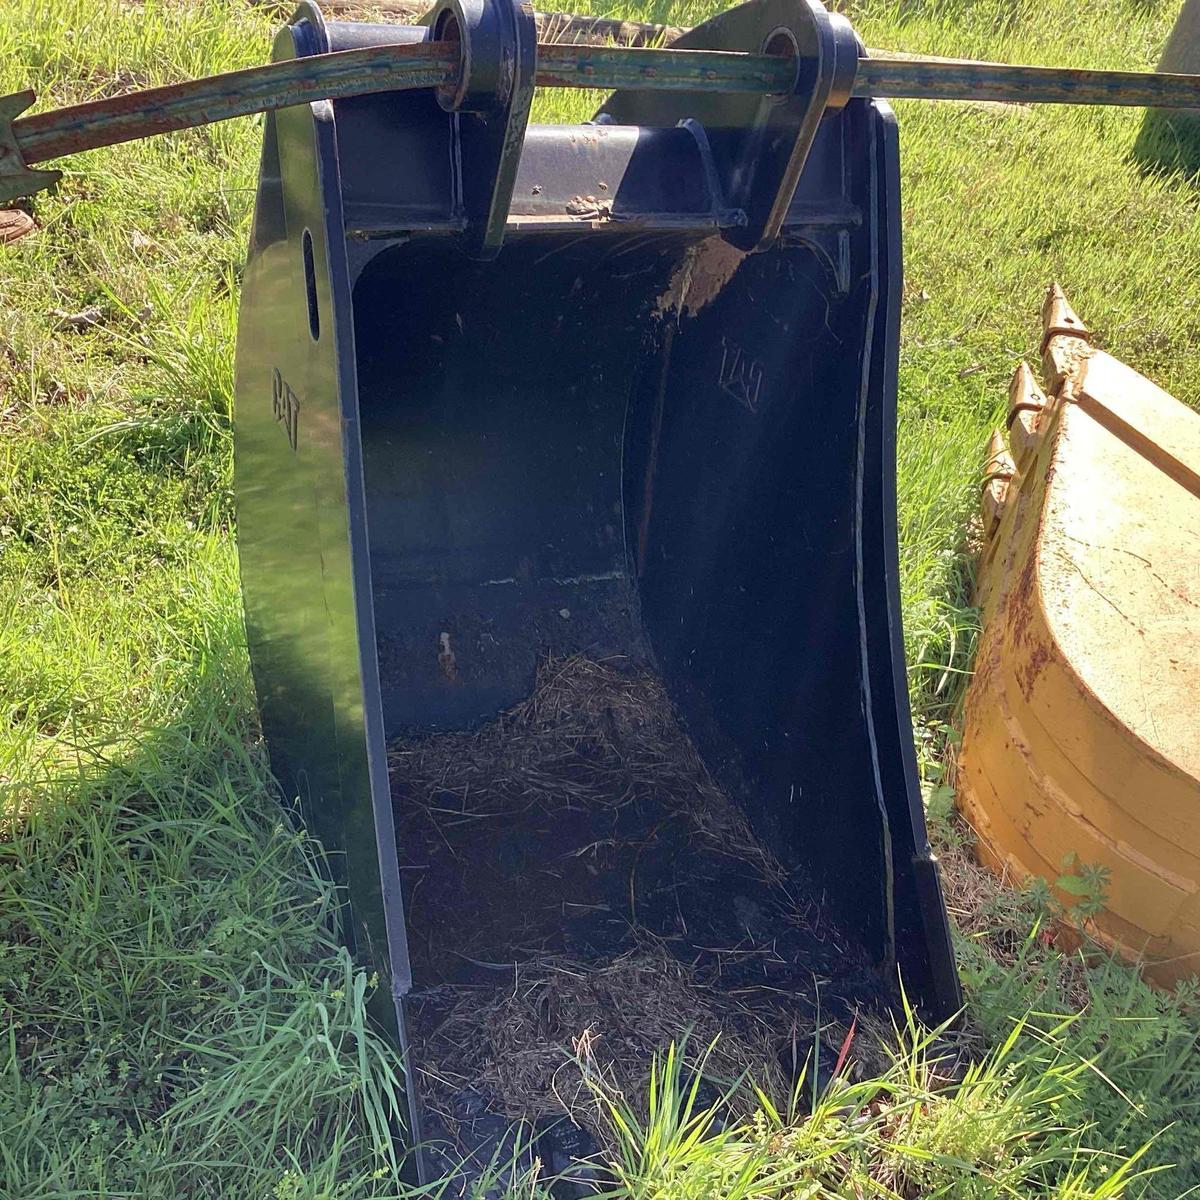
233 94
391 68
662 70
376 69
898 78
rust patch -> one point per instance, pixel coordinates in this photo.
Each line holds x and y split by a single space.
446 658
1027 675
1017 618
987 663
1020 602
1064 362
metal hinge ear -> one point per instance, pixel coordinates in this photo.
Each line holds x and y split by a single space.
16 179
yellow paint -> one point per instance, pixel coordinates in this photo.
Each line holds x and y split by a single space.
1082 722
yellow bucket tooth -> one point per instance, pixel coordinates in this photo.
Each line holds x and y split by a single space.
1059 318
1066 342
1026 404
999 470
1082 722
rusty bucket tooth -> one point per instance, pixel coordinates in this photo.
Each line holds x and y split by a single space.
999 470
1066 341
1081 730
1058 317
1026 408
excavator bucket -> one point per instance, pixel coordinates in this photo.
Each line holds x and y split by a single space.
1081 746
617 399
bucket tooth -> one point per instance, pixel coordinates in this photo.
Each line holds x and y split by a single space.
999 470
1026 413
1058 317
1066 341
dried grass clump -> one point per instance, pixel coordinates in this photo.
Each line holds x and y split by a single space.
525 1025
592 735
566 1037
993 912
566 1030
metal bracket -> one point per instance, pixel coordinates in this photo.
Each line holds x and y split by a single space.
490 102
825 49
759 143
16 179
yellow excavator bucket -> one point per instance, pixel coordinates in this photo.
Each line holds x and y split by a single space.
1082 722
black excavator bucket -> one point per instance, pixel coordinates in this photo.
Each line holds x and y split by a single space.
615 397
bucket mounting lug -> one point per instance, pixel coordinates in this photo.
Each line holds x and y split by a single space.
759 143
490 103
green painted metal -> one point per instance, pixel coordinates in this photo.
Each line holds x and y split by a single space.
16 177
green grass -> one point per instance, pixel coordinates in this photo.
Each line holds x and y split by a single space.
997 1133
177 1018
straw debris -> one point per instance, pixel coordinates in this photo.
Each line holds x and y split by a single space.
581 893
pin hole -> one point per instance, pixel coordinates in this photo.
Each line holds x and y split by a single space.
782 44
310 287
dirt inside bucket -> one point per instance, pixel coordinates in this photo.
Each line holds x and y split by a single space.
579 894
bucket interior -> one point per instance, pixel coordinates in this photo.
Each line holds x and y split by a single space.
493 401
613 585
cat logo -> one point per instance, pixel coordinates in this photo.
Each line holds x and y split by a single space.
741 376
286 406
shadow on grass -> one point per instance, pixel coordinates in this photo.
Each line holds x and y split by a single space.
170 951
1169 143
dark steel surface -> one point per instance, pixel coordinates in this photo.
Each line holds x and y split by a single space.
493 452
766 530
498 50
759 144
302 529
637 177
